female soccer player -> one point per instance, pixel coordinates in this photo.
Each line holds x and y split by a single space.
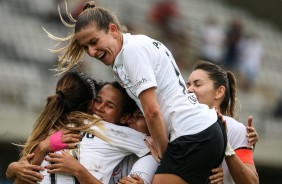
217 88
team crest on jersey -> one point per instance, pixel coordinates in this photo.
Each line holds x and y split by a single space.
140 82
192 98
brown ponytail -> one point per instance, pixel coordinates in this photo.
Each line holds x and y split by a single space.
221 78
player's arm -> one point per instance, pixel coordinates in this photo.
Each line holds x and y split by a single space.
24 172
66 163
154 119
241 162
57 141
27 169
242 172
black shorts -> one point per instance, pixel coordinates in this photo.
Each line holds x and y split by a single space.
192 157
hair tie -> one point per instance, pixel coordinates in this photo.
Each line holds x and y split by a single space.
61 94
89 5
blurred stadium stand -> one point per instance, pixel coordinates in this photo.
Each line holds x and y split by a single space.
26 81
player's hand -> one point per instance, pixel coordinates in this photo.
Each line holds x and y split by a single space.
132 179
70 138
62 163
26 172
221 118
217 176
251 133
150 144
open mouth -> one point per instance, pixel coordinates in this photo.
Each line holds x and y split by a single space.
101 55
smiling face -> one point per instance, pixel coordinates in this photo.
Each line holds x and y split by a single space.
100 44
108 104
200 84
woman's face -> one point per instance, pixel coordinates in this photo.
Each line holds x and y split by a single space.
138 123
108 104
99 44
200 84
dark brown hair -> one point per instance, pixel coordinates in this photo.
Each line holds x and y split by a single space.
221 78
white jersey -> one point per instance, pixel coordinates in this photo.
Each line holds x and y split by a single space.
123 168
144 167
237 138
145 63
100 157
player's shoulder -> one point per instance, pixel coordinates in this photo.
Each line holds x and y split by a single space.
121 130
233 124
136 41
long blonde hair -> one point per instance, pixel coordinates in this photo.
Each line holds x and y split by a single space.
73 52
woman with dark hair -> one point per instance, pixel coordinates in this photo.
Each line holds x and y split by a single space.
217 88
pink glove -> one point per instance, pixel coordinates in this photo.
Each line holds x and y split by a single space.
56 141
